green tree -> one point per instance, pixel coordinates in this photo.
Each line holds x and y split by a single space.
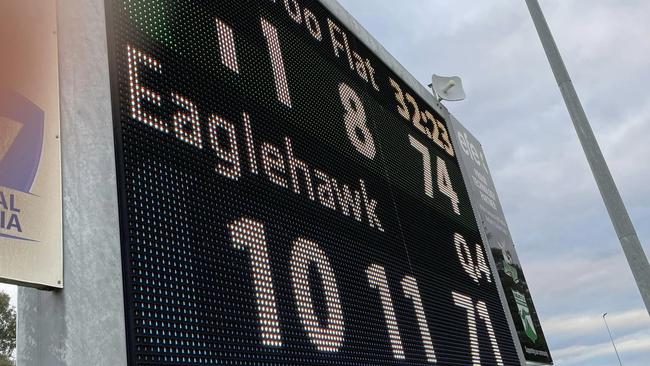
7 330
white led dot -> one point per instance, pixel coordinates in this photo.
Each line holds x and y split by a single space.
444 184
293 9
465 256
274 165
298 168
371 207
325 189
426 165
466 303
348 199
250 146
482 266
481 308
313 26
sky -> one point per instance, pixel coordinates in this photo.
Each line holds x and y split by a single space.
571 256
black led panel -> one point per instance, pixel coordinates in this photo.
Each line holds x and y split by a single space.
286 199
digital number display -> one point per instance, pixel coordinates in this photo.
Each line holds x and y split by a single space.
286 199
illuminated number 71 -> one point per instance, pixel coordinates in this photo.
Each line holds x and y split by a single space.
480 308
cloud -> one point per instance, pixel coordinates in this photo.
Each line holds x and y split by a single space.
629 345
583 324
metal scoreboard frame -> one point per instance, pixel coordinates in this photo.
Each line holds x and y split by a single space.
86 322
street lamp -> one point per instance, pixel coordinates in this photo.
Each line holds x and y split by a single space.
612 339
625 231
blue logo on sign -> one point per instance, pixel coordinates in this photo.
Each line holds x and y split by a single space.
21 145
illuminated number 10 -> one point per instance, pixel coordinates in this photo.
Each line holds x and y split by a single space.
249 235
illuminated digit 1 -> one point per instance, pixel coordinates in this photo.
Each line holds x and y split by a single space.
249 235
377 279
329 338
481 308
466 303
277 62
227 48
411 291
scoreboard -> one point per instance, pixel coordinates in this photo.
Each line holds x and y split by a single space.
286 198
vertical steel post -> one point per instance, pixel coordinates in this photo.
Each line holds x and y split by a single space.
615 207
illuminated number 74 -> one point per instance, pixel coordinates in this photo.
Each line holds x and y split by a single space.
444 181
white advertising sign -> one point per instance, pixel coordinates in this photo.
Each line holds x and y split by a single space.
30 154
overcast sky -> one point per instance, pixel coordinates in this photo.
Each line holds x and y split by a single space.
571 256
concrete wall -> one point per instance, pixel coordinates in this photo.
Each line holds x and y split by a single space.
84 323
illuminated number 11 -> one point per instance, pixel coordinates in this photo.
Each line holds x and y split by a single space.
377 279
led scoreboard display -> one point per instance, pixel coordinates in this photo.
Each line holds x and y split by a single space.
286 199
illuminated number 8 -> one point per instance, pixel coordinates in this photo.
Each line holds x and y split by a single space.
355 122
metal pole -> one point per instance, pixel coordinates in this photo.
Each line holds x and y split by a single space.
615 207
612 339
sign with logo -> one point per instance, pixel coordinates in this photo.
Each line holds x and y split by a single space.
486 202
30 158
286 198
